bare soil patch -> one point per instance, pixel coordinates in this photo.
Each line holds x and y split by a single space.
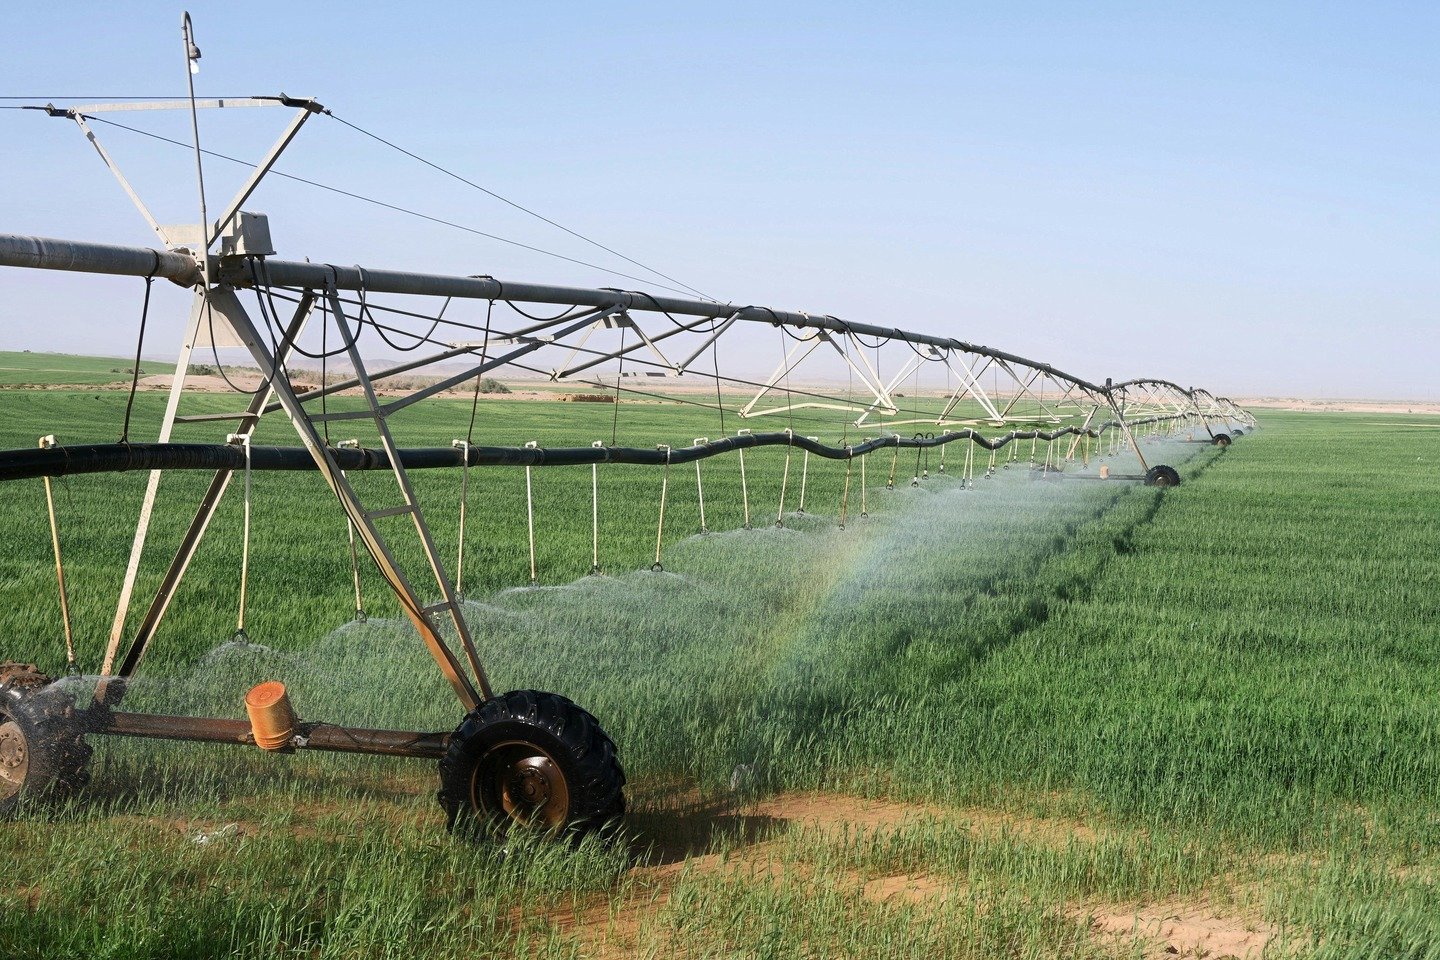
683 838
1187 930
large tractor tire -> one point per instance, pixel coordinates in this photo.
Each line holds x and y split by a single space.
1221 440
1162 476
43 753
532 760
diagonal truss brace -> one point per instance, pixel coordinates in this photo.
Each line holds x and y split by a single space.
207 234
223 300
201 314
613 319
805 345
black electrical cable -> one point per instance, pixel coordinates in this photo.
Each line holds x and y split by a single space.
562 315
215 352
265 300
475 402
324 371
371 306
640 361
139 346
615 419
719 403
365 316
791 391
785 365
715 325
879 341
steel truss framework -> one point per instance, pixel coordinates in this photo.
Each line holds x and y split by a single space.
985 396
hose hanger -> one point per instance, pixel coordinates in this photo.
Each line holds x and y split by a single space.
242 440
530 516
864 511
805 474
595 512
464 447
785 478
700 486
116 458
744 487
360 617
660 527
48 442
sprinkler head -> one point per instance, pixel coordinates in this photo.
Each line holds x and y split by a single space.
360 615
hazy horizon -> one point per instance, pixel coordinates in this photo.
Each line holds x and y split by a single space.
1236 197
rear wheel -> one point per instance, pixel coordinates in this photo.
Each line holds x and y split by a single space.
1221 440
42 749
534 760
1162 476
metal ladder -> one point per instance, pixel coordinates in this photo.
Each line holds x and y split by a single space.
424 616
222 300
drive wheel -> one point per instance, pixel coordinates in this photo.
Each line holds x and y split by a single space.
42 750
1162 476
532 760
1221 440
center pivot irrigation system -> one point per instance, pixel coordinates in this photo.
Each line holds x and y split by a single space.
524 756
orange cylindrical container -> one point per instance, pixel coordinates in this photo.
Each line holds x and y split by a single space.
272 720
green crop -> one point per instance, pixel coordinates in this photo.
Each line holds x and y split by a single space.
1229 684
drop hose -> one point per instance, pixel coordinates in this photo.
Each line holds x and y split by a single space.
64 461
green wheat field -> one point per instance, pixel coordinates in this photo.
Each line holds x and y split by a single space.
1024 719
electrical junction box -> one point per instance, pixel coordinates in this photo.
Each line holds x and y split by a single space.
247 235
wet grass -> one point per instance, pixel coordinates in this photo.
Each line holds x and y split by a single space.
1232 680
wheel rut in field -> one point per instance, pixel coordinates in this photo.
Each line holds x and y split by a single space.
757 844
1037 607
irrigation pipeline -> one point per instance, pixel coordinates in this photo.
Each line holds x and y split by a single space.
240 272
30 463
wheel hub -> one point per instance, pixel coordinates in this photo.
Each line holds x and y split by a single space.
531 783
524 785
14 758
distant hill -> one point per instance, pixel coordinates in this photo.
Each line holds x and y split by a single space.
18 368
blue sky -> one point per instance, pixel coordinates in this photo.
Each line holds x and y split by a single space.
1241 196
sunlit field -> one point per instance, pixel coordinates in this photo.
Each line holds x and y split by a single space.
1018 717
